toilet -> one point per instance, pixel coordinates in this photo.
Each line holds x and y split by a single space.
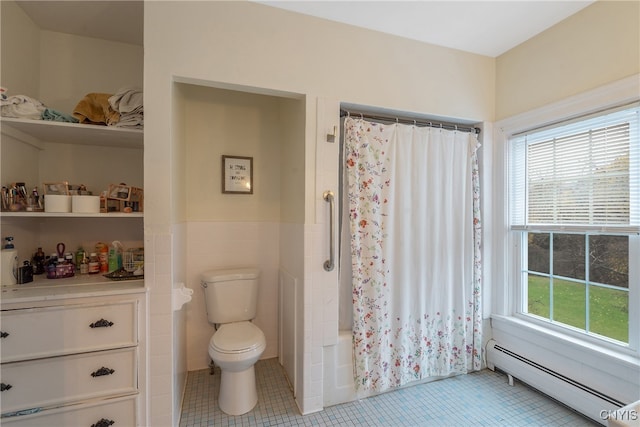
231 297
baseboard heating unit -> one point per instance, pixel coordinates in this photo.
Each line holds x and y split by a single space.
574 394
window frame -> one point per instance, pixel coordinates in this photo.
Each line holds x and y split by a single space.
521 269
507 294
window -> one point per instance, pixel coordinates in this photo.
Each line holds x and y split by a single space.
575 214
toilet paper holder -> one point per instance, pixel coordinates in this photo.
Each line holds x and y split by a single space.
181 296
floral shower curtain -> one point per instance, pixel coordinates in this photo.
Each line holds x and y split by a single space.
413 200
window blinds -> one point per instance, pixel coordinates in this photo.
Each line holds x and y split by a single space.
583 173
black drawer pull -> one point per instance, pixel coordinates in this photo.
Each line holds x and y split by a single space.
4 334
101 324
4 386
102 371
103 423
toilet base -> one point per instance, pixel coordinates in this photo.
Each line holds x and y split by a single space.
238 394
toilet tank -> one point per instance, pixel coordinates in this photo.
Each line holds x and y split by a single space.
230 295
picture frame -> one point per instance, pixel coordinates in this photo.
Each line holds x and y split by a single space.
237 175
60 188
119 192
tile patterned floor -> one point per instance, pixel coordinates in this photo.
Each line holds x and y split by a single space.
478 399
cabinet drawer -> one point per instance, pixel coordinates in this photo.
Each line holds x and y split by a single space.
52 331
59 380
100 414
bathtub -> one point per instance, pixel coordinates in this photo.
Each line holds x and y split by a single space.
338 373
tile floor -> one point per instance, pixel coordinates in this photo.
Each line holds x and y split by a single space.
478 399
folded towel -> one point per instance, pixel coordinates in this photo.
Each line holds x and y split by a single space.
129 103
22 107
134 121
127 100
57 116
94 108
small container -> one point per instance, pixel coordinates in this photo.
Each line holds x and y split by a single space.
85 204
94 264
68 259
57 203
62 269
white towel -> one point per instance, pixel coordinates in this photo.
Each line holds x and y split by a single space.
127 100
22 107
129 103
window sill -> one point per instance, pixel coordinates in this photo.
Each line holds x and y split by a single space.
622 362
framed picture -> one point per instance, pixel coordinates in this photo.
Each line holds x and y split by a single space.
237 175
119 192
56 188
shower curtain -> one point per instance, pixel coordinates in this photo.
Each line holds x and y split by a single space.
414 217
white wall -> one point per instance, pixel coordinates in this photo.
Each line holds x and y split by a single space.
73 66
248 45
598 45
21 52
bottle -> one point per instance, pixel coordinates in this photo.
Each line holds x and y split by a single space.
115 256
70 268
38 262
102 250
84 265
94 264
113 259
80 255
9 263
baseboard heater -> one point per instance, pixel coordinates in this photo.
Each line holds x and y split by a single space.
574 394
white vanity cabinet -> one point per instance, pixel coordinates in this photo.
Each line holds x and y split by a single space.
75 356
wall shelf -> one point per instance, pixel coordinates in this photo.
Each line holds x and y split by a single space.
23 214
34 132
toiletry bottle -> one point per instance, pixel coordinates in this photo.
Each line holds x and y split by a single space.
102 250
84 265
79 256
38 262
9 263
70 266
94 264
113 259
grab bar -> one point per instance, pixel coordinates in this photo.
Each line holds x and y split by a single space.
329 264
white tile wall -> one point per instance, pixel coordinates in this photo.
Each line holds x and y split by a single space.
215 245
158 279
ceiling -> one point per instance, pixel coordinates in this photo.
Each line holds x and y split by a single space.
120 21
484 27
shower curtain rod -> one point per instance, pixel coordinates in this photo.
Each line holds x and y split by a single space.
405 120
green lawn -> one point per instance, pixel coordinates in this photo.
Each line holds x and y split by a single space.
609 308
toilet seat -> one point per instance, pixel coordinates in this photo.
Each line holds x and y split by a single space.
237 337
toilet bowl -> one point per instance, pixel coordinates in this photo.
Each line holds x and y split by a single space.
231 299
235 348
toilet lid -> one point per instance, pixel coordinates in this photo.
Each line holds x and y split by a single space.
237 337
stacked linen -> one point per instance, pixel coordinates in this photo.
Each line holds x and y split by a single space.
129 103
21 107
94 109
57 116
25 107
